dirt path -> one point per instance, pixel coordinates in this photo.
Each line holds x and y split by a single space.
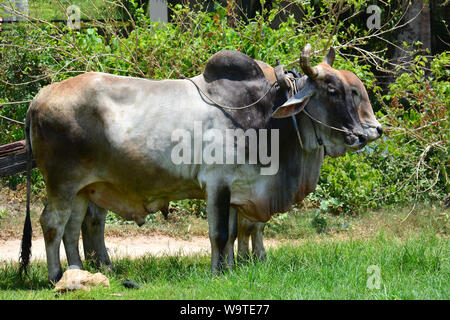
117 247
121 247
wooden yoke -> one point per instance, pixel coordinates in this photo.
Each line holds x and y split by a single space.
13 158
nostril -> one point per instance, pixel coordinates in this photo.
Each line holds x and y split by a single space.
380 130
362 138
350 139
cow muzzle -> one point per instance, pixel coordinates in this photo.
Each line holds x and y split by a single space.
373 131
355 140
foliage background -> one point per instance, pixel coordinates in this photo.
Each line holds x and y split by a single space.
409 165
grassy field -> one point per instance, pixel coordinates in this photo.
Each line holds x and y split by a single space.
409 259
415 269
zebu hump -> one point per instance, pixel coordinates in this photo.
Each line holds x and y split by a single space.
232 65
233 79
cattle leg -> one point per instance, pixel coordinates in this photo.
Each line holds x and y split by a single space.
72 231
217 207
53 221
232 235
93 231
257 241
243 238
247 228
165 211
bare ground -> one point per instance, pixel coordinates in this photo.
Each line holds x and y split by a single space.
118 247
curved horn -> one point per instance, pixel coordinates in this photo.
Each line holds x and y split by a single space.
281 77
329 58
311 72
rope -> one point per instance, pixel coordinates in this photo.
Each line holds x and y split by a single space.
9 119
326 125
368 125
10 103
292 84
227 107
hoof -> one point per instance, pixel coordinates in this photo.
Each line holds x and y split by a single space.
74 267
55 278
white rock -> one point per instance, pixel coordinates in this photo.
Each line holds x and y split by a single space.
76 279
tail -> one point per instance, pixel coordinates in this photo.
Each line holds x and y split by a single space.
25 251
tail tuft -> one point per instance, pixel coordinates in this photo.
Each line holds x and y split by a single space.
25 250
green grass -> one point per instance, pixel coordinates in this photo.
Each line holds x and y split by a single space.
417 268
412 256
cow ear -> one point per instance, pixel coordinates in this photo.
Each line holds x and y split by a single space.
294 105
329 58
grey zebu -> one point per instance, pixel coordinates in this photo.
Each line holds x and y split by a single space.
371 126
107 139
246 228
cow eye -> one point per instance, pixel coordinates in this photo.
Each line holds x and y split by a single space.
331 89
356 96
